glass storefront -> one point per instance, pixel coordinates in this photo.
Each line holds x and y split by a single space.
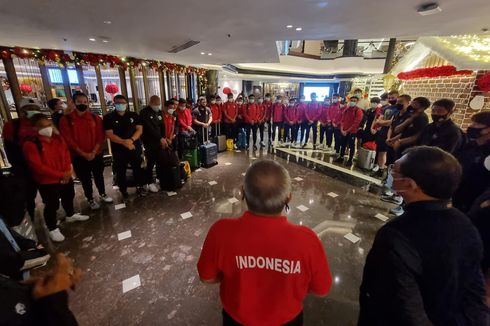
154 84
30 82
110 76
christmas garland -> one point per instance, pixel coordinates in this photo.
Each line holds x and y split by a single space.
483 82
433 72
93 59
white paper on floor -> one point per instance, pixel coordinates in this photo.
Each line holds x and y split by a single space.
212 183
198 170
238 151
332 194
115 187
131 283
186 215
123 235
253 158
382 217
302 208
298 179
233 200
243 174
120 206
228 163
171 193
352 238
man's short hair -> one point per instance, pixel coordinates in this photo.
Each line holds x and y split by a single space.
482 118
267 187
354 98
212 97
170 102
38 117
79 94
405 97
422 101
268 95
445 103
394 92
384 96
181 101
251 96
336 95
376 100
357 90
435 171
52 103
120 97
230 95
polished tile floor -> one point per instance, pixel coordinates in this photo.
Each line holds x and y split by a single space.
140 260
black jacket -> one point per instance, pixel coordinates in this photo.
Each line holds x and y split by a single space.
447 136
424 269
153 128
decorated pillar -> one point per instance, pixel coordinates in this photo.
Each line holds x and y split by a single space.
100 89
390 55
81 79
146 87
45 79
66 83
8 64
212 79
134 89
161 80
122 80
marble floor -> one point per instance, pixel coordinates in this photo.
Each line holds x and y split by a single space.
147 276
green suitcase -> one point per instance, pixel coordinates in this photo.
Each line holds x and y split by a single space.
192 156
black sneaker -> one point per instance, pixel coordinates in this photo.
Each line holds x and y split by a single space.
34 258
339 160
142 192
348 163
125 194
255 147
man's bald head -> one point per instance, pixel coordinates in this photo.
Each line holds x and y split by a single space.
155 100
267 187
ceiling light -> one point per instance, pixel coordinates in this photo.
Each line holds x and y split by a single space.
92 39
105 41
107 22
210 54
202 53
289 26
430 8
299 29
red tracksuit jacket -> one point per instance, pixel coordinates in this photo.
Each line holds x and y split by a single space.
312 111
324 114
230 111
49 163
261 113
301 109
277 112
25 130
82 132
268 110
337 116
351 119
216 112
250 113
185 119
291 114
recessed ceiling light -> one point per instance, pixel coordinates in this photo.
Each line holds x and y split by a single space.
289 26
107 22
92 39
430 8
105 41
210 54
202 53
299 29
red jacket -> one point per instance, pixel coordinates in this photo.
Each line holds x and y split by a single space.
291 114
216 112
49 163
261 112
333 112
185 119
277 112
250 113
301 108
25 130
324 114
351 119
169 122
82 133
268 110
230 111
312 111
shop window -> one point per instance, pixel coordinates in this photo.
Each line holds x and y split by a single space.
30 82
154 83
140 88
90 78
130 91
112 85
182 82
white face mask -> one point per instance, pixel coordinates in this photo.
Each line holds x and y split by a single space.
335 100
47 132
302 100
155 108
181 108
213 102
285 102
171 111
63 106
261 101
251 101
267 98
219 102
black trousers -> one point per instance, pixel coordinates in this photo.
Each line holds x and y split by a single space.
251 128
311 126
348 140
269 131
261 131
121 160
31 193
51 195
151 155
290 132
85 170
231 131
276 125
229 321
326 132
338 139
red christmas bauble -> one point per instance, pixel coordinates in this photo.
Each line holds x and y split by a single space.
25 88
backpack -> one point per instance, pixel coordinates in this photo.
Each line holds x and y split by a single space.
13 149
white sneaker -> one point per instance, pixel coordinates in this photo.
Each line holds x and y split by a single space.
153 187
93 205
375 168
106 199
77 217
56 235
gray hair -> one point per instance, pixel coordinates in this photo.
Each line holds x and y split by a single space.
267 187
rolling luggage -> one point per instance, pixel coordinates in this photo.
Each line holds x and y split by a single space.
242 139
191 156
219 140
171 179
365 159
209 152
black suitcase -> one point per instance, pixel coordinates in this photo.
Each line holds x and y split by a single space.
171 179
209 152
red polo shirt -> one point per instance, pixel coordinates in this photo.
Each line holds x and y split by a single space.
266 265
185 119
351 119
268 110
301 108
230 111
216 112
82 132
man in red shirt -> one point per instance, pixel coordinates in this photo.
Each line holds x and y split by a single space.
312 114
250 118
302 123
185 119
219 102
277 116
268 116
335 116
265 265
351 119
83 133
230 114
49 160
14 134
216 113
170 123
291 122
261 118
325 123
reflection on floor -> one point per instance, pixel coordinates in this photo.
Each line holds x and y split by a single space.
140 260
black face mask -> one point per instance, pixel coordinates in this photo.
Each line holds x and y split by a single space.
474 133
82 107
392 102
399 106
438 118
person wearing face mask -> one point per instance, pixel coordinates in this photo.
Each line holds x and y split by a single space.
14 133
474 157
230 115
184 115
251 119
401 115
335 114
312 114
424 266
325 125
363 103
170 123
50 163
216 112
201 119
57 108
261 117
268 116
371 114
351 118
442 132
291 122
277 116
153 138
302 122
83 132
124 129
